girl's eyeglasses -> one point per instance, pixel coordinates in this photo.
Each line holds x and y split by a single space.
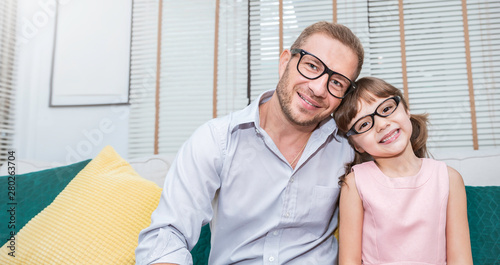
366 122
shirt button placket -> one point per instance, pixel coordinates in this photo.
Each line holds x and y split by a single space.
290 204
271 247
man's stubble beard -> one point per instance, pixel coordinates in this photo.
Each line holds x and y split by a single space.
285 94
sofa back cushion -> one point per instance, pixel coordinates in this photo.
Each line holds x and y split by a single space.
483 212
31 194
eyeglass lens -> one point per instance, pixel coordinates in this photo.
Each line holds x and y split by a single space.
385 109
311 67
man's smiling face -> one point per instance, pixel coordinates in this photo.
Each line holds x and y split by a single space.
307 102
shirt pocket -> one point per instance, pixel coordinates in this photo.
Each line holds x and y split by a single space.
321 208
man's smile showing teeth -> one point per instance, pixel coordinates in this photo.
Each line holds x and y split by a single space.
390 137
308 102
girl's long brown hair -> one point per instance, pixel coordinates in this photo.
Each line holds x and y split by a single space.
367 88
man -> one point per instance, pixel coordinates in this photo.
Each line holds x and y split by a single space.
265 177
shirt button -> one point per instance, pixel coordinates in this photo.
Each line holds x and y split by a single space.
271 259
291 180
275 233
287 215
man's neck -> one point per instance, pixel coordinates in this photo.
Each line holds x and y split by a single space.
290 138
277 125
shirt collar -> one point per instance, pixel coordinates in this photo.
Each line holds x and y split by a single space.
250 115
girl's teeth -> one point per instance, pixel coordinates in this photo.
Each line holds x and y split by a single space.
390 137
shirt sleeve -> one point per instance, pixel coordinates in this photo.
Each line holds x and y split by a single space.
186 200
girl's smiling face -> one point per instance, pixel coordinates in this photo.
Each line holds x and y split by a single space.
389 136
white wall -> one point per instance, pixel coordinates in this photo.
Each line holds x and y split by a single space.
63 135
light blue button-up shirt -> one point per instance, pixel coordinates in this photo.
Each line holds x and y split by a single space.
261 210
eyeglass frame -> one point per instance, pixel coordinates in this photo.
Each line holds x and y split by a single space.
353 131
326 70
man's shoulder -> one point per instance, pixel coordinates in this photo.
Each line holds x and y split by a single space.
234 119
222 122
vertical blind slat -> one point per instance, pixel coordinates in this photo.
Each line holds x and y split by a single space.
8 67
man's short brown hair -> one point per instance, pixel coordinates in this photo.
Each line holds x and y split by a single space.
337 32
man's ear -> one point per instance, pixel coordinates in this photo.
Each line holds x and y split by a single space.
285 57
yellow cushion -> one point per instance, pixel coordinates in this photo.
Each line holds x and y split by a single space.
96 219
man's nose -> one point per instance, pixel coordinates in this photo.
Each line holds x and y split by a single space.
319 86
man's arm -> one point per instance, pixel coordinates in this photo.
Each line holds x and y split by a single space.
186 201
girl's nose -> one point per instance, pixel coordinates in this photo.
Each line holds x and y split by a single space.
380 123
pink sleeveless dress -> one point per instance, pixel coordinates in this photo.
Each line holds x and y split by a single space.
404 218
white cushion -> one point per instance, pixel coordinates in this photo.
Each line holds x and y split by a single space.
477 167
153 167
26 166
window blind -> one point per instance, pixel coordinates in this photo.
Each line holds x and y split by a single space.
8 9
437 71
354 15
248 52
143 78
484 32
233 53
184 100
264 45
436 64
297 15
187 60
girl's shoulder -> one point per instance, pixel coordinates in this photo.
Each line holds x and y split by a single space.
456 180
433 161
433 164
365 165
365 172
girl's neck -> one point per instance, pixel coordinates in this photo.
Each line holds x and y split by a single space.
403 165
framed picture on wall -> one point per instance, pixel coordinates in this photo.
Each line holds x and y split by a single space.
91 57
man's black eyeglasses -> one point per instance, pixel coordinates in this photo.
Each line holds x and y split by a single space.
366 122
311 67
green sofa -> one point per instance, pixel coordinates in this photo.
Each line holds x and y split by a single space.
36 190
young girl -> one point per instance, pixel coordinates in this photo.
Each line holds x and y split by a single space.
396 206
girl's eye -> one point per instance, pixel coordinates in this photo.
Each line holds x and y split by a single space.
387 109
363 126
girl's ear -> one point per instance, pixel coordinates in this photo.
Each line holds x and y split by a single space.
358 148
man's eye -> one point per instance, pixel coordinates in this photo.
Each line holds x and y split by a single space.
312 66
337 84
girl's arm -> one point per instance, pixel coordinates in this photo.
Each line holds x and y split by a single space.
351 223
458 249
